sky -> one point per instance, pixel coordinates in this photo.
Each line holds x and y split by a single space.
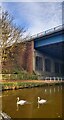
36 17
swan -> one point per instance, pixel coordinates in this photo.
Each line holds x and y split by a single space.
41 101
20 102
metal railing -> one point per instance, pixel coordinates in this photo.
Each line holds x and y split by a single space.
52 78
57 28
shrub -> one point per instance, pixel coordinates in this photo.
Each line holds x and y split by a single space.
19 75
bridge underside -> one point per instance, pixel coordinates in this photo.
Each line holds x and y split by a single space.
52 44
49 55
49 59
55 50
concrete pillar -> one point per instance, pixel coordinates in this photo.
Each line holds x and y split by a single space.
61 79
52 66
60 68
50 79
54 78
58 78
43 64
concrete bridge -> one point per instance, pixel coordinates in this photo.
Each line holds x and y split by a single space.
51 43
48 57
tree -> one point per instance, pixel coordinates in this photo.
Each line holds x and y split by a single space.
10 35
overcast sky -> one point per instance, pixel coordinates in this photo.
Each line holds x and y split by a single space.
35 16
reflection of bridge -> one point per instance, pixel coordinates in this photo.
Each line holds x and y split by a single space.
49 52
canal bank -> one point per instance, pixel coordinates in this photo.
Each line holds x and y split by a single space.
21 84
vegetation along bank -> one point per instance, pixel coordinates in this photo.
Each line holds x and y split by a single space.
20 84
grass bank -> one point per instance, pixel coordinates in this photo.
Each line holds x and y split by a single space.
14 85
17 74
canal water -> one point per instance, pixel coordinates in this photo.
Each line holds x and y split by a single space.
51 109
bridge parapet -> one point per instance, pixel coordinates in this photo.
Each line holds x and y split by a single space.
49 31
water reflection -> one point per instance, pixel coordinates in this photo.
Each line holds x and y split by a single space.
17 107
52 108
50 90
40 105
58 89
45 90
54 90
61 87
20 105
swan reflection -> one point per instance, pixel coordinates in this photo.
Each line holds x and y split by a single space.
45 90
17 107
58 89
38 105
54 90
50 90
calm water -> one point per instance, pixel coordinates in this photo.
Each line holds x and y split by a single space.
51 109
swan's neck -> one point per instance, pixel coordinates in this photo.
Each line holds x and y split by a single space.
18 100
38 99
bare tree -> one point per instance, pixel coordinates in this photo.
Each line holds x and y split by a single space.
10 34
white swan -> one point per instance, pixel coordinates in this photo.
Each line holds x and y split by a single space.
20 102
41 101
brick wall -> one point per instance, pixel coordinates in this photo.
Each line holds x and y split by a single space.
25 56
22 57
29 56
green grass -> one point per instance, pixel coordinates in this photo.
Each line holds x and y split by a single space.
20 85
19 76
17 85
